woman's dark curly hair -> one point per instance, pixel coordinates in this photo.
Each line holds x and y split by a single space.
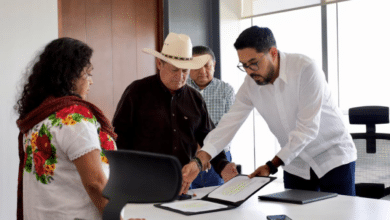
54 73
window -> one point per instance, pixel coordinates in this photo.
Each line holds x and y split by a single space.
364 45
357 46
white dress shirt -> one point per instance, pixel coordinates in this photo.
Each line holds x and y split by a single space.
300 112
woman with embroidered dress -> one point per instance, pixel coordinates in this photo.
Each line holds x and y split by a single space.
62 170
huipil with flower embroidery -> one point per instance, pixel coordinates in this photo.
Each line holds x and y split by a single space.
51 181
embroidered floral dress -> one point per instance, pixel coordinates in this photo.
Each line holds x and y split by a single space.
52 187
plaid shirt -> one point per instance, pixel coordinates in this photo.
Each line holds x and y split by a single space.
219 97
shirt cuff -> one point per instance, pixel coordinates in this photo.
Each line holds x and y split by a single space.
285 155
211 150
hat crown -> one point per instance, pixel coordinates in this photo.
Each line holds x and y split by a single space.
177 45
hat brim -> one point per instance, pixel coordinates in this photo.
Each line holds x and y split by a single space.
195 63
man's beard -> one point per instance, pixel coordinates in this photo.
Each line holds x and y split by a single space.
267 79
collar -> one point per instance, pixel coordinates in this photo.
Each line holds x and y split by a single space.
194 85
282 67
177 92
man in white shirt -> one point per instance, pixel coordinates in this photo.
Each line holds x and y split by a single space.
292 95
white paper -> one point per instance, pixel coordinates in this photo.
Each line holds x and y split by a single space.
238 188
194 206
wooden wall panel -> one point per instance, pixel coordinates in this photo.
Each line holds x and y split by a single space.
124 45
72 19
146 36
98 26
117 30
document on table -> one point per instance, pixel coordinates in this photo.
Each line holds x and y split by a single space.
194 206
238 188
228 196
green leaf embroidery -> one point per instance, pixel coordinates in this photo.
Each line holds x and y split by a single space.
43 130
56 122
28 166
51 160
29 150
52 117
49 135
77 117
43 179
53 149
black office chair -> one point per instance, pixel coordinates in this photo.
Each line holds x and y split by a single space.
372 174
140 177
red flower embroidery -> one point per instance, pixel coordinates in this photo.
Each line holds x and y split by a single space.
39 161
65 112
74 109
106 142
83 111
43 144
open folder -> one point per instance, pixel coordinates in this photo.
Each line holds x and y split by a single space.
228 196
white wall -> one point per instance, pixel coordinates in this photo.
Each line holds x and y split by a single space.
26 26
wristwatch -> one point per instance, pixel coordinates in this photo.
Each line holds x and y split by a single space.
198 163
272 168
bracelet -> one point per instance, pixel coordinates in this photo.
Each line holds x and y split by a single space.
272 168
198 162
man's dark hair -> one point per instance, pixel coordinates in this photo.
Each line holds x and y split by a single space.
201 50
259 38
54 72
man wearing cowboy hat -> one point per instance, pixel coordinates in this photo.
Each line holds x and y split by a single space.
161 114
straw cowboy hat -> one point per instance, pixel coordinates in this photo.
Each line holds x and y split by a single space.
177 50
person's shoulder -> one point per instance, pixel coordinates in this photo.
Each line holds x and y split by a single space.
144 81
141 84
298 59
192 91
194 94
190 82
224 85
72 115
227 85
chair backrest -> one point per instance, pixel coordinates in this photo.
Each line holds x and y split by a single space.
140 177
373 163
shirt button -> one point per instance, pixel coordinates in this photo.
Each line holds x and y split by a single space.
174 130
173 114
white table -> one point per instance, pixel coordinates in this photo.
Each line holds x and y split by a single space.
340 208
386 198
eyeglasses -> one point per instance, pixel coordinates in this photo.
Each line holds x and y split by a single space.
252 66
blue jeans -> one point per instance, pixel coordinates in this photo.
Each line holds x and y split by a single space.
340 180
211 178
